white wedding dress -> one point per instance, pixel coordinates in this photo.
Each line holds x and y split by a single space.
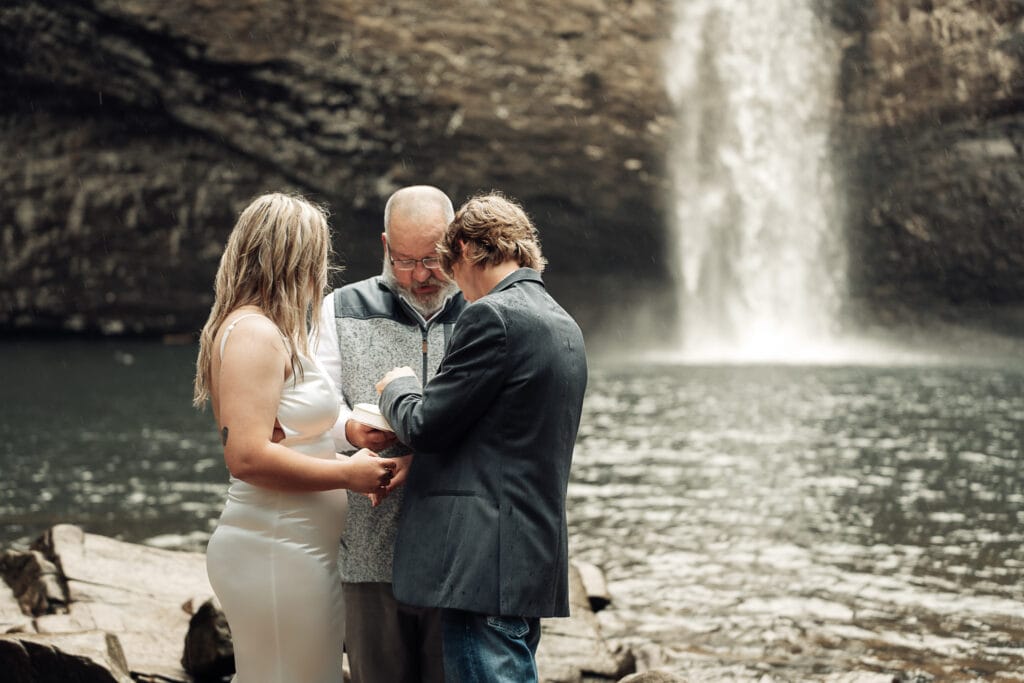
272 561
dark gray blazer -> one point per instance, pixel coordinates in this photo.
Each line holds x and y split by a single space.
483 527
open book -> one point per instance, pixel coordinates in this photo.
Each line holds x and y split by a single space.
369 414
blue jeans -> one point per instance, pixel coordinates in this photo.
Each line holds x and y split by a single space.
489 649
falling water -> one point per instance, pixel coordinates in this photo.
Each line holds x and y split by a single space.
760 255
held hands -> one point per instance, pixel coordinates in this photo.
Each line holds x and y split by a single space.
401 465
369 473
392 375
401 472
364 436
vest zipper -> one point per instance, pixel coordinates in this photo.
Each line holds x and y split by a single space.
424 331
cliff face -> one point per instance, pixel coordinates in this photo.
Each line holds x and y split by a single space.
135 131
932 132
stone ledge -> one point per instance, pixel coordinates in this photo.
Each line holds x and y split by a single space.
88 608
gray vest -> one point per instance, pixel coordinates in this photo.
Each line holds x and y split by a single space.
377 331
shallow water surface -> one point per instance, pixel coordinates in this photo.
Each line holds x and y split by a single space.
808 521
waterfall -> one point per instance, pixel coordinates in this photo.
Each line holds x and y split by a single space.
760 255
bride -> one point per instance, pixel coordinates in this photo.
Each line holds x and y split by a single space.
272 559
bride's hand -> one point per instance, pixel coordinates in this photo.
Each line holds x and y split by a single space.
369 473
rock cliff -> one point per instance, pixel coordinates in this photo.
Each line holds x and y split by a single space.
135 131
932 135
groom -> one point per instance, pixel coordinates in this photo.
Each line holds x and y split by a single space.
482 533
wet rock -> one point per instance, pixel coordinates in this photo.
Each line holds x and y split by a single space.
861 677
122 612
209 652
646 655
574 647
34 581
913 677
87 657
653 676
595 585
12 618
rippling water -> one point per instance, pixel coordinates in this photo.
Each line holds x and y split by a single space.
798 522
807 521
104 435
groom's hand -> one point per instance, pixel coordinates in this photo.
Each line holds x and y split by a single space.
401 471
392 375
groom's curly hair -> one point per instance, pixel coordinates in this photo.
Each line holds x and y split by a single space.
491 229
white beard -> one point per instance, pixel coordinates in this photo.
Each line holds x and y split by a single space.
425 306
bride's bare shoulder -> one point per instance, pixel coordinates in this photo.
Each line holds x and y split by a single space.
249 332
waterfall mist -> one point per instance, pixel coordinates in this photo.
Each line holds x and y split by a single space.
759 242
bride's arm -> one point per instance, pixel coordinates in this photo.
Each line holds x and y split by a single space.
252 374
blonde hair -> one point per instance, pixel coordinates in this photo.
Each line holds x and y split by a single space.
495 229
276 258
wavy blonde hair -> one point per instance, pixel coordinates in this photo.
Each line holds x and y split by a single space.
494 229
276 258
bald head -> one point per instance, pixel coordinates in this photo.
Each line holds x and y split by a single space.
418 204
415 219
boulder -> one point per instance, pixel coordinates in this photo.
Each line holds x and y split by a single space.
653 676
594 584
84 657
34 581
134 591
12 618
208 648
573 647
99 605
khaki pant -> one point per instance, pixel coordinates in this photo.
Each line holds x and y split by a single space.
388 642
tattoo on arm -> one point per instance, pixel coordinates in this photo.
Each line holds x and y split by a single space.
224 436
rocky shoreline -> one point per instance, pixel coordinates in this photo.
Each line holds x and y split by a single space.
86 608
92 609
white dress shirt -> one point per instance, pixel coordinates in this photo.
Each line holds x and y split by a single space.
325 347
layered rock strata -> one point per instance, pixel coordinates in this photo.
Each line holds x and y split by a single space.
135 131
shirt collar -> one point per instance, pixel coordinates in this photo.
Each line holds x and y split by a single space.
519 275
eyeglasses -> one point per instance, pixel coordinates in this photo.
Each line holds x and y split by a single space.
430 262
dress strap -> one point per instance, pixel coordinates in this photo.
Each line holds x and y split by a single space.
227 332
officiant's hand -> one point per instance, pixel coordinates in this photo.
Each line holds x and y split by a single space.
364 436
392 375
